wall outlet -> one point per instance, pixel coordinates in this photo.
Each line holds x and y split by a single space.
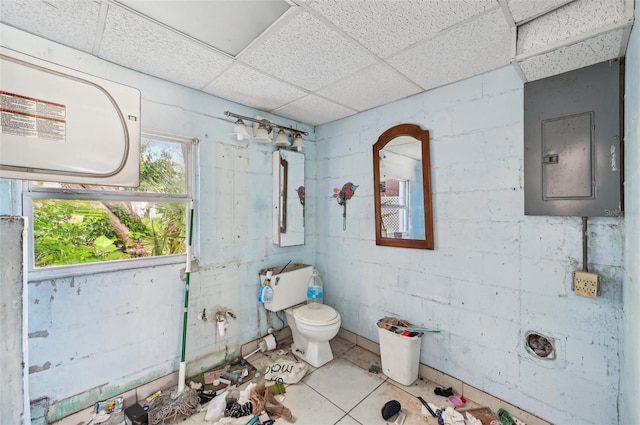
586 284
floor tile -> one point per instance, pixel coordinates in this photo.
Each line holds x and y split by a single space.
348 420
340 346
369 410
362 358
310 408
343 383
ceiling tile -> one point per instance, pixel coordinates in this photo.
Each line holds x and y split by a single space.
79 19
476 47
576 18
370 87
137 43
522 10
308 54
402 23
226 25
249 87
314 110
594 50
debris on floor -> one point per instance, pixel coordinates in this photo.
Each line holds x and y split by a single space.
107 412
289 371
374 368
170 404
444 392
483 414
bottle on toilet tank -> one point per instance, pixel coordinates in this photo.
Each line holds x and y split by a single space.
314 290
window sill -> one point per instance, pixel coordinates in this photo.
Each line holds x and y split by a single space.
104 267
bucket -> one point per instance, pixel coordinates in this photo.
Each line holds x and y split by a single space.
400 356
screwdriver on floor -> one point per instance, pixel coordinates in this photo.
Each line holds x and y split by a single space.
425 404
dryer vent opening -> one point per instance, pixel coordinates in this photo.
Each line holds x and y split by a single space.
540 345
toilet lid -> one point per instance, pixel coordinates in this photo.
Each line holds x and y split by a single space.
323 314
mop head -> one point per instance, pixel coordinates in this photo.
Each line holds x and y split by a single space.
171 404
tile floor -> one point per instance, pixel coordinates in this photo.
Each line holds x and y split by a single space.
344 392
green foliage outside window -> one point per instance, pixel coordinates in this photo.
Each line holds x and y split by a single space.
131 226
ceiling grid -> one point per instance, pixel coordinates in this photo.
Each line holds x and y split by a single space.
316 61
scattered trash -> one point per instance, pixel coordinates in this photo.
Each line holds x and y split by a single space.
211 376
472 420
399 420
426 412
263 400
444 392
456 401
231 376
289 371
195 385
427 406
403 327
206 396
277 388
104 409
172 404
375 369
135 414
451 417
390 409
505 417
216 408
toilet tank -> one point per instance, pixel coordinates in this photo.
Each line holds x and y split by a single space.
289 287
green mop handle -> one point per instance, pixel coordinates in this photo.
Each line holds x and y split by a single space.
186 287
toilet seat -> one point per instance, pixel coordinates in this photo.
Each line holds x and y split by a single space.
325 315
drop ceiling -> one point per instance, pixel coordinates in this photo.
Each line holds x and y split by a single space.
316 61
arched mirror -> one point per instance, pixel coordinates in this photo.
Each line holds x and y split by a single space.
402 188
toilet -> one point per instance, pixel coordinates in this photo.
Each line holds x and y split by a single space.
311 328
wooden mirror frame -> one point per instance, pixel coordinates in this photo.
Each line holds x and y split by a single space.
422 136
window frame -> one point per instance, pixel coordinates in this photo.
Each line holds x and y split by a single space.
31 192
403 207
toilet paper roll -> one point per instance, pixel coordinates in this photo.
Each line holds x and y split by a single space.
270 341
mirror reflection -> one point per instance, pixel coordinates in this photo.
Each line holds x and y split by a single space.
288 198
403 199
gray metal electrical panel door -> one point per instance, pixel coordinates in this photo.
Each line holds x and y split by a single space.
572 143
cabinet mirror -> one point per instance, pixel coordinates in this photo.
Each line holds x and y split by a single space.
288 198
402 188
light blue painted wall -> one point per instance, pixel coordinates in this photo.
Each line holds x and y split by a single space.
95 336
494 274
630 342
14 406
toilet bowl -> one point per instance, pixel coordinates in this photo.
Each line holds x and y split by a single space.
312 328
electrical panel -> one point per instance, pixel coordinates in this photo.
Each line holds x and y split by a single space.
62 125
572 143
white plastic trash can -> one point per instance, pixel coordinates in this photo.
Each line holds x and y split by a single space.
400 356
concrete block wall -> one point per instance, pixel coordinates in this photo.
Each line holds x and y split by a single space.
98 335
630 340
14 406
494 274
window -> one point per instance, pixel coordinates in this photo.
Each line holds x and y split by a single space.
394 201
92 228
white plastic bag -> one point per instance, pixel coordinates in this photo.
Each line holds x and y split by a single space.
289 371
216 408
